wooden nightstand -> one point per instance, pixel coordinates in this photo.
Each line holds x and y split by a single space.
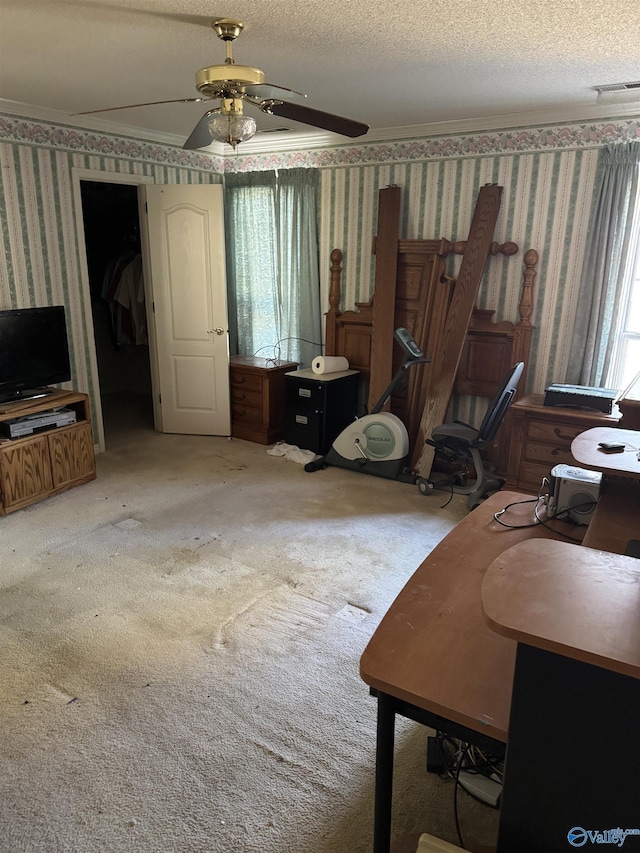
541 437
258 398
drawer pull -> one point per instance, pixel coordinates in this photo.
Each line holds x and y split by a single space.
556 431
239 397
239 380
240 413
559 451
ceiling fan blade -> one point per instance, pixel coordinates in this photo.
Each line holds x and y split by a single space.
148 104
200 136
119 9
267 91
316 118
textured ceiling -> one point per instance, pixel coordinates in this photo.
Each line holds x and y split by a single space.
389 65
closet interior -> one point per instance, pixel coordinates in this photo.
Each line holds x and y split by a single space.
112 237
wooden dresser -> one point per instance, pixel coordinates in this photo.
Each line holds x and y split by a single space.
47 461
258 398
630 411
541 437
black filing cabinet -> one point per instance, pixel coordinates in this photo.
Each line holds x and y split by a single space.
319 407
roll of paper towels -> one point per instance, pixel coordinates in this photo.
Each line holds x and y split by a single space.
322 364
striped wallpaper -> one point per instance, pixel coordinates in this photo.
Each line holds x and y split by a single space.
545 206
548 175
42 260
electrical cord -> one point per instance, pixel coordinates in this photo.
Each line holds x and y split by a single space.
479 762
496 515
563 516
540 522
455 797
457 756
441 485
445 454
276 347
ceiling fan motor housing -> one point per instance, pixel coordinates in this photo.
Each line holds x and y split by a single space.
217 78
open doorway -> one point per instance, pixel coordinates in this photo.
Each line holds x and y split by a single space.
112 238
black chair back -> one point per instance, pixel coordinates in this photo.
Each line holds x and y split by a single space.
499 405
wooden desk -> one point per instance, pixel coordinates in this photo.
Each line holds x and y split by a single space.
434 659
575 614
616 518
573 748
585 450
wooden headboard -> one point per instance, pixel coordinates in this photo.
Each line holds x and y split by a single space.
423 291
492 348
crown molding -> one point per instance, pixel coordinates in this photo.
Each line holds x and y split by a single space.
35 113
576 113
275 143
569 115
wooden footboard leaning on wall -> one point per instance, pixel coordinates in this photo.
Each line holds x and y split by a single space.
490 349
422 298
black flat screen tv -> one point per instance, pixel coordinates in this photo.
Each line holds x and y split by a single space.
34 351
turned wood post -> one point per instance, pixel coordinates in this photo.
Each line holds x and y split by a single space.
525 307
336 276
334 303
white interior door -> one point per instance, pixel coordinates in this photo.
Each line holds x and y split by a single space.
187 301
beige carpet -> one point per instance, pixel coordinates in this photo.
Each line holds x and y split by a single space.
180 645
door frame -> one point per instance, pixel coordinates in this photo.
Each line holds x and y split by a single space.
77 176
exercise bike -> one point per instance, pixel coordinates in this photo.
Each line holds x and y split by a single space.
377 443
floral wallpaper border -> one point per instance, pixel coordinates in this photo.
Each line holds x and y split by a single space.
20 130
535 138
561 136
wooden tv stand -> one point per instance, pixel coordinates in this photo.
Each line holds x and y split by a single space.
36 466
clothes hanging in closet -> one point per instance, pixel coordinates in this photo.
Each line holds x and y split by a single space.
123 290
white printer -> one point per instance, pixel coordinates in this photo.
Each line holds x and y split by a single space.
573 493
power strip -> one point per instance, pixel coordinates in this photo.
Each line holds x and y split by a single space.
481 787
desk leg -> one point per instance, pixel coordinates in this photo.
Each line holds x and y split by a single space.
384 774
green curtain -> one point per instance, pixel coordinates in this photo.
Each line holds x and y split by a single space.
273 264
606 268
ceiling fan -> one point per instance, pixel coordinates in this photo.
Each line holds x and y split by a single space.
236 85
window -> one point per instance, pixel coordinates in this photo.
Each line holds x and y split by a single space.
626 360
606 333
253 239
273 265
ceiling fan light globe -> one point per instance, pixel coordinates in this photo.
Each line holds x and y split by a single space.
232 129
